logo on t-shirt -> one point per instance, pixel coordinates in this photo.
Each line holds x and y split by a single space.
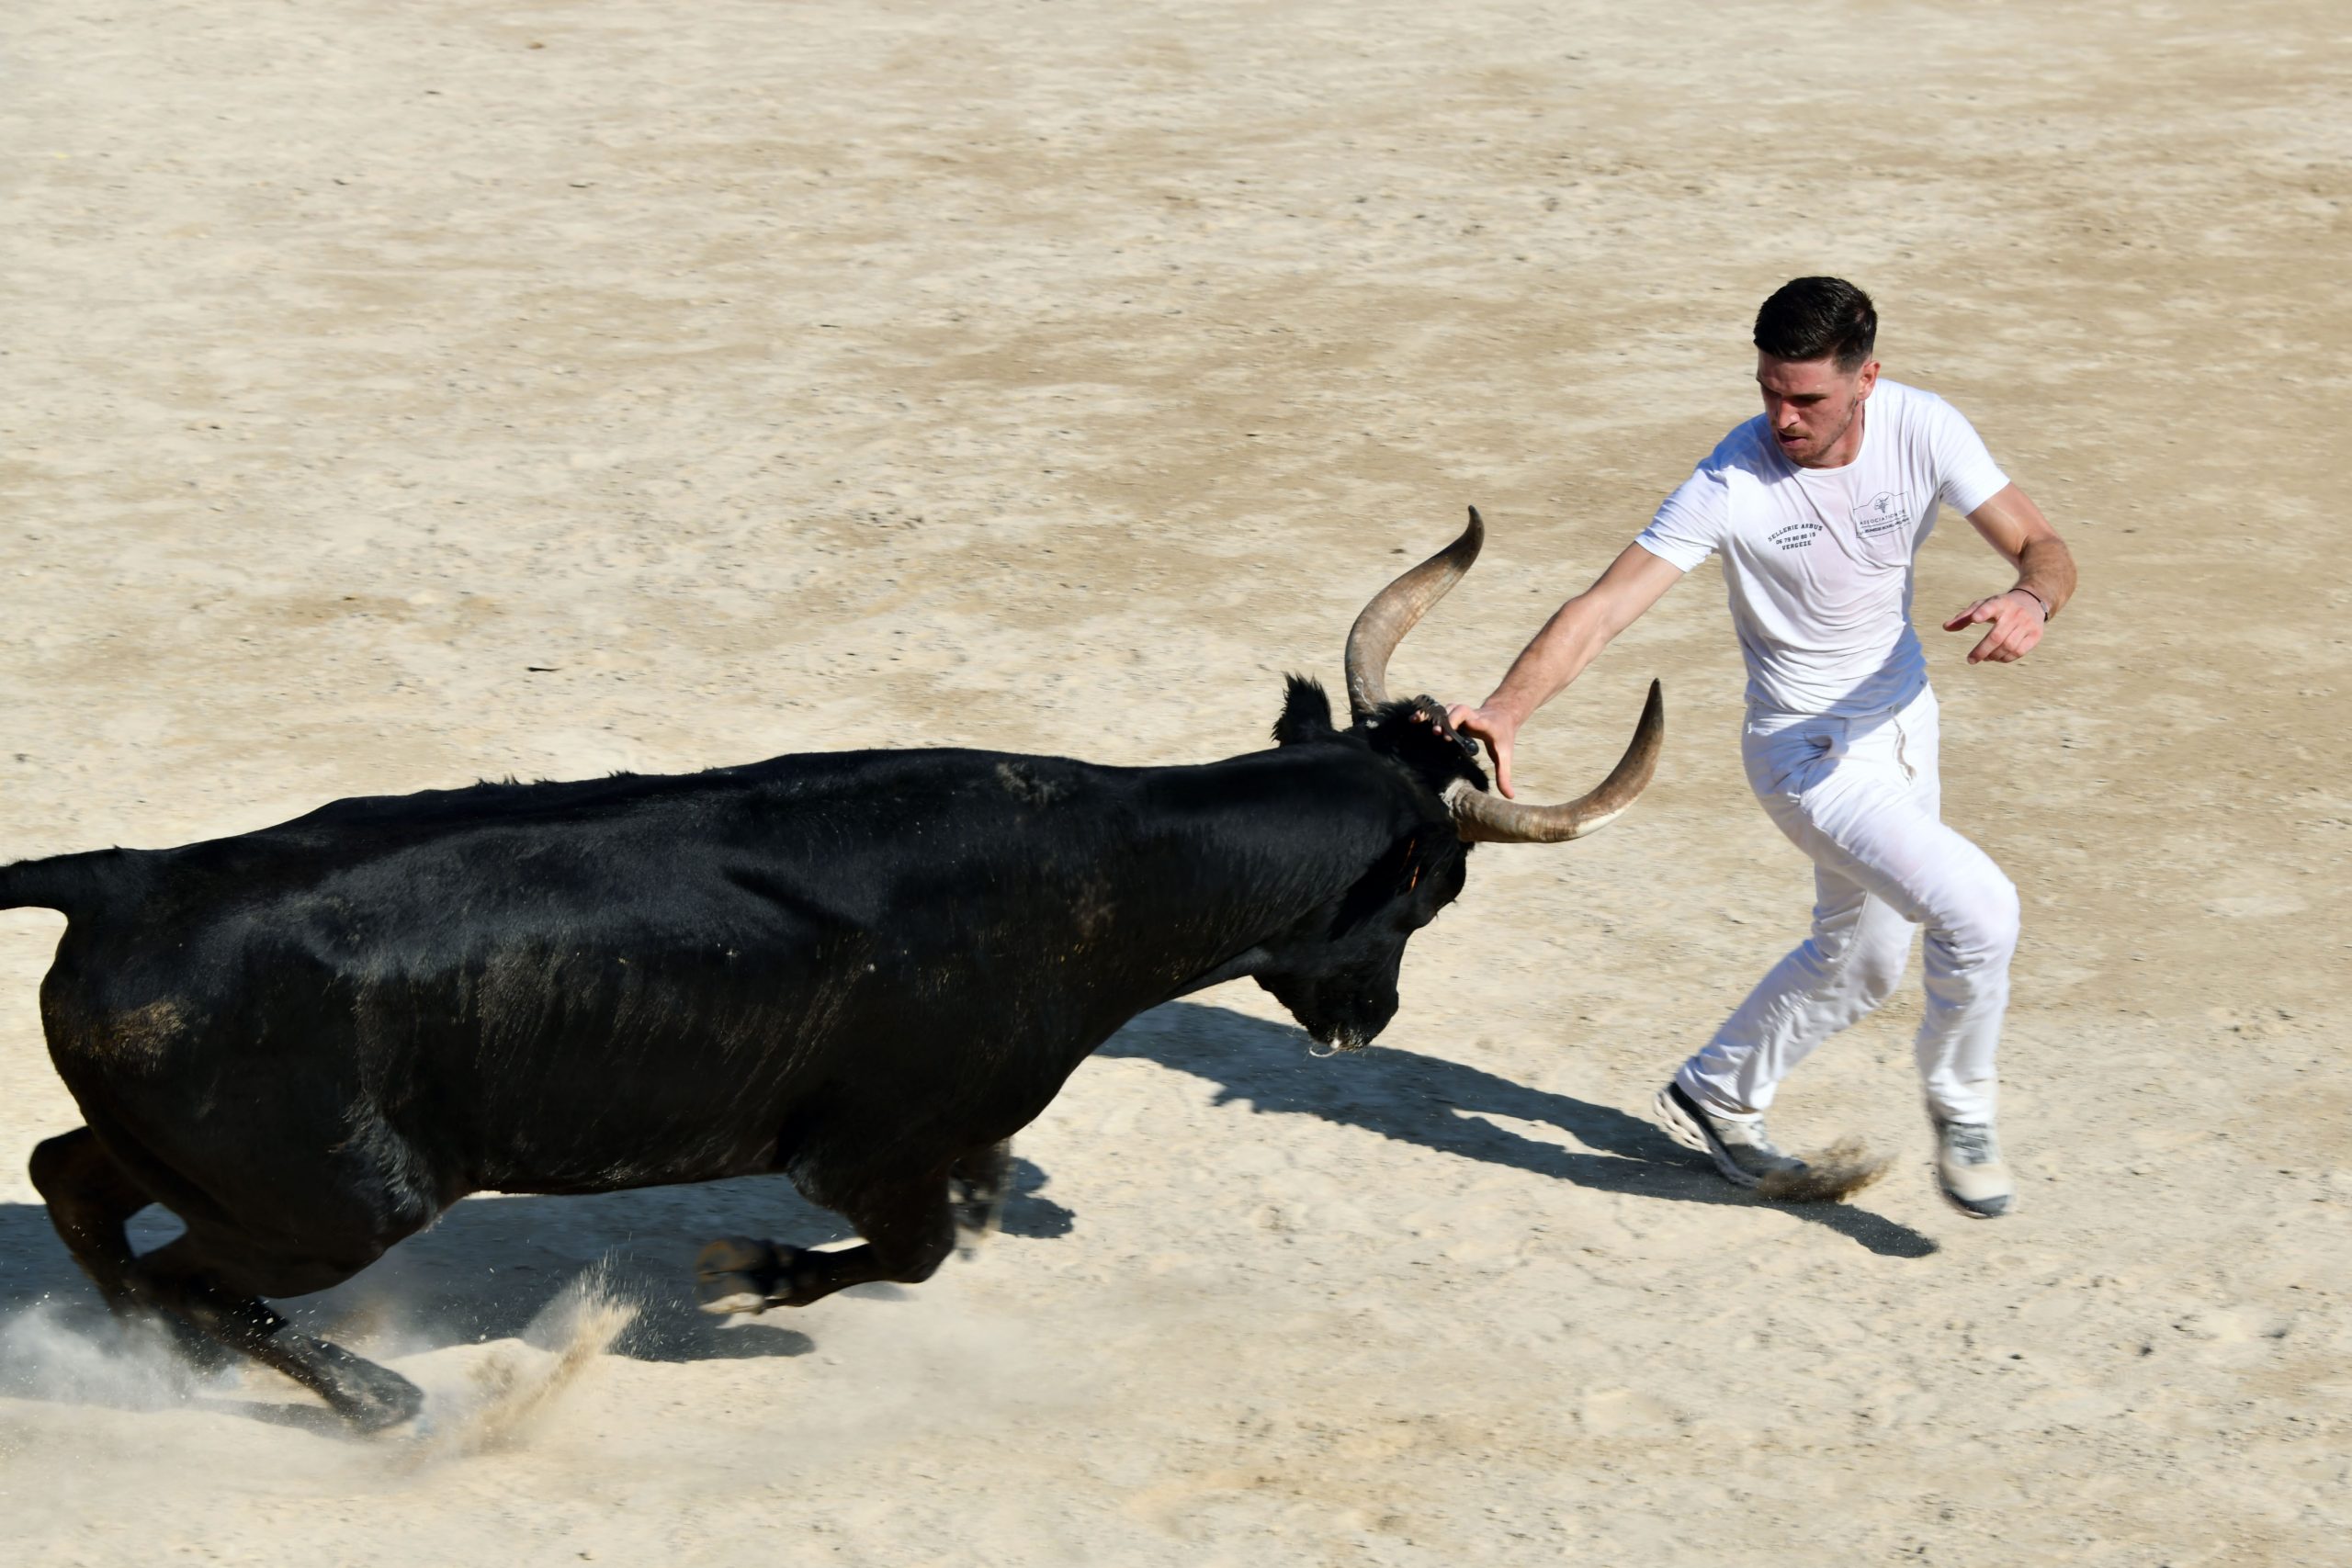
1883 514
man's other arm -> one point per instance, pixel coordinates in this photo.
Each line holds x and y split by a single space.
2014 525
1577 631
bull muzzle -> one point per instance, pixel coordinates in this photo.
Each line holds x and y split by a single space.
1478 816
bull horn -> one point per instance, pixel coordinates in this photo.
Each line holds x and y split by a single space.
1393 611
1478 816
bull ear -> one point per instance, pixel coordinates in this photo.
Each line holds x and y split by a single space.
1306 713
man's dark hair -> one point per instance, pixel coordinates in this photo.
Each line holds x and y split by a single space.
1818 318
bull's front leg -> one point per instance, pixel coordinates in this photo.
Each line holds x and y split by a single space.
979 1187
909 1230
741 1273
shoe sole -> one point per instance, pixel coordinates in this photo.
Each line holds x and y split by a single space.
1694 1134
1971 1210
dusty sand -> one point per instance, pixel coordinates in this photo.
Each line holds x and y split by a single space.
1051 377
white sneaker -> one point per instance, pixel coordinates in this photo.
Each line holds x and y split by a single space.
1740 1149
1970 1170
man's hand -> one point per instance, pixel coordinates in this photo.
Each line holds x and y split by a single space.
1497 727
2017 621
2014 525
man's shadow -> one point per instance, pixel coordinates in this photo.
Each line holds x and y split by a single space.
1444 1105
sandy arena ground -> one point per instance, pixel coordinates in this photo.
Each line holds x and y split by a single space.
399 393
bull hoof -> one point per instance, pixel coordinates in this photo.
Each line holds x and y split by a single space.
977 1190
741 1274
369 1397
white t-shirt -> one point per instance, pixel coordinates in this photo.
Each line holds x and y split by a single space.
1818 560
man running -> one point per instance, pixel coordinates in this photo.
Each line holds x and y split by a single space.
1818 507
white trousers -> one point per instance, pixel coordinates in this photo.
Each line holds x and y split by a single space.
1861 796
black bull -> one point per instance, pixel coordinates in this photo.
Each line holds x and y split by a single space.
866 970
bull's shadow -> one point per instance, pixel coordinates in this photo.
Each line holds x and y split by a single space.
1444 1105
490 1265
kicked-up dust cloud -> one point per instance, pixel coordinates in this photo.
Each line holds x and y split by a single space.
516 1382
1838 1172
52 1353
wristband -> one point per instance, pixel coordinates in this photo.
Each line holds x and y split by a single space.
2048 614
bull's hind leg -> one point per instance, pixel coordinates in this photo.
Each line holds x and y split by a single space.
180 1280
90 1197
909 1228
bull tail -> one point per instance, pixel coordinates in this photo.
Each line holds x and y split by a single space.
69 883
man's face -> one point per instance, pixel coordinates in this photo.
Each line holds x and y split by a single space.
1812 408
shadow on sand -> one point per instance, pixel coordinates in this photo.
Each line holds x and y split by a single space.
1444 1105
492 1264
484 1272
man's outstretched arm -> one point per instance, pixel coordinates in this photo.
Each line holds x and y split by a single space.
2014 525
1577 631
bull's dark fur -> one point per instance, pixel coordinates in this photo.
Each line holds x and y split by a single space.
865 969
